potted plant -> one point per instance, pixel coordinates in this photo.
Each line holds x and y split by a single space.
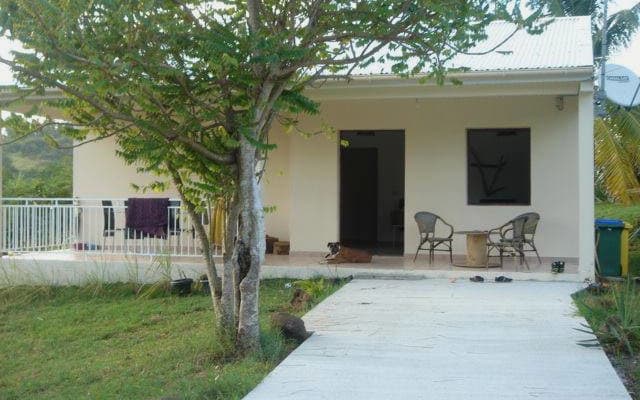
204 284
181 286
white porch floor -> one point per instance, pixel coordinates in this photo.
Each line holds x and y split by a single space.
66 267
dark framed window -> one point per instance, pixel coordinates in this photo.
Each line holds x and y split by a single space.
499 166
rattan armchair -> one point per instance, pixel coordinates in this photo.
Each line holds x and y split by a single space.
427 223
515 237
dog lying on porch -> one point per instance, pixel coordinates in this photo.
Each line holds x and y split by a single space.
344 255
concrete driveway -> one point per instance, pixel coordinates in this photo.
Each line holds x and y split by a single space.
435 339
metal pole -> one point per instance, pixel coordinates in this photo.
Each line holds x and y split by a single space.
603 49
601 97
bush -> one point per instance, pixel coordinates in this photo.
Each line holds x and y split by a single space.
614 316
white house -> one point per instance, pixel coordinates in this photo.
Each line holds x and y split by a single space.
515 136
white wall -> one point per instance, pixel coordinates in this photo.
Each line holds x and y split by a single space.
585 177
98 173
277 187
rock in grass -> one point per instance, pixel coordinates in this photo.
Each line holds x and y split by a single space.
300 299
291 326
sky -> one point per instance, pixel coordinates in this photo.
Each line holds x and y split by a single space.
629 57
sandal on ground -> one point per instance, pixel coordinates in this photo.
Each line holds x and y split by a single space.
503 279
476 278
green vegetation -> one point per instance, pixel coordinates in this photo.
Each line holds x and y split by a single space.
630 214
614 316
122 341
627 213
31 167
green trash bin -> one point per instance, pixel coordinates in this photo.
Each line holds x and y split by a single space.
608 246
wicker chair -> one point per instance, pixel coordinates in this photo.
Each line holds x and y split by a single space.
529 232
514 237
427 223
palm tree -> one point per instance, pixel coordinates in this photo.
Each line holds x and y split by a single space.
617 135
621 25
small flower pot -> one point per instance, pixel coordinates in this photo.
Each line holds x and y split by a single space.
206 289
181 286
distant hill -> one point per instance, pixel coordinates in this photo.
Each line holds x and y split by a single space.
31 167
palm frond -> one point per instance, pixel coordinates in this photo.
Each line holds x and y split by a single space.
615 165
622 26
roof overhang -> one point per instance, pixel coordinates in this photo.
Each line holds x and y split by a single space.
474 84
559 82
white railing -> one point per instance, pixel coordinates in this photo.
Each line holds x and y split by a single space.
93 226
37 227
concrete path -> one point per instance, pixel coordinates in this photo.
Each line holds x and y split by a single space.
434 339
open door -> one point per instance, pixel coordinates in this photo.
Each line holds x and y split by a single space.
372 191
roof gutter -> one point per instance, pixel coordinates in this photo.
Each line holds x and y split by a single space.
576 74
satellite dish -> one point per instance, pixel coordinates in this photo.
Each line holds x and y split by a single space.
622 86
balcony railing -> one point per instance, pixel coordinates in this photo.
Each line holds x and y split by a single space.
93 226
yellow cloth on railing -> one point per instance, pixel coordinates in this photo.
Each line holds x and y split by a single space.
218 223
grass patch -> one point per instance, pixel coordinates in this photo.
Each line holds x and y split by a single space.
630 213
614 316
120 341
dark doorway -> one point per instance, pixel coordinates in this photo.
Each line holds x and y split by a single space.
359 196
372 191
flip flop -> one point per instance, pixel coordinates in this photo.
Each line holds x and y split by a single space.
503 279
476 278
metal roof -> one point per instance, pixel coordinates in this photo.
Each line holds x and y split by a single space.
565 43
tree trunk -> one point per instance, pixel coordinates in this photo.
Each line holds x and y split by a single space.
229 272
249 250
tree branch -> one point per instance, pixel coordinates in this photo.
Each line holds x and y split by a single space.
36 130
226 159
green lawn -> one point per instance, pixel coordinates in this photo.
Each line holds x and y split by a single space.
109 342
630 214
614 316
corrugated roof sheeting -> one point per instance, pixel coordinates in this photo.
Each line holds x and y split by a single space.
564 43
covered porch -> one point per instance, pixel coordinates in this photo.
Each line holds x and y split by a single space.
435 127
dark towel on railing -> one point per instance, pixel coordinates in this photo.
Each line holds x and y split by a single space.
147 217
